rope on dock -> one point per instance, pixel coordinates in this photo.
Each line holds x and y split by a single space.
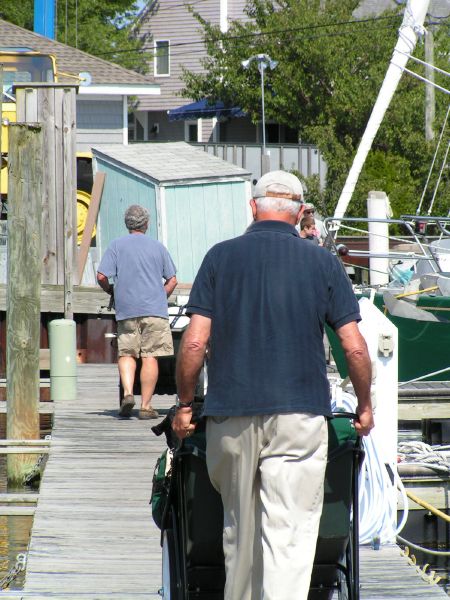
421 454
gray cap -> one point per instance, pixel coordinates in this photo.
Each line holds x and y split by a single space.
279 184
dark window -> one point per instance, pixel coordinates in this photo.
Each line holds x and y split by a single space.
161 58
192 132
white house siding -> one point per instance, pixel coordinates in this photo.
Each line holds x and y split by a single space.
99 122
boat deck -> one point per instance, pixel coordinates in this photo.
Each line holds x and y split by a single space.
93 536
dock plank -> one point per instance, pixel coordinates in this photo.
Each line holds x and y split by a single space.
93 537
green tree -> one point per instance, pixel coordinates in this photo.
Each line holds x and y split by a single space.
330 69
104 28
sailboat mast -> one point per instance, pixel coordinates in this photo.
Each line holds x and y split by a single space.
410 29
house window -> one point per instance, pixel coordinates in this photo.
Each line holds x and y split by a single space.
192 131
162 58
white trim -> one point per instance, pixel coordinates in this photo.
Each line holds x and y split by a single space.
125 121
215 127
163 213
223 16
155 58
199 130
159 232
121 90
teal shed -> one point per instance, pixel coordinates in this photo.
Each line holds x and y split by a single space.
195 200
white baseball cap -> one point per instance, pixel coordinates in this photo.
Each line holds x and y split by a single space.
279 184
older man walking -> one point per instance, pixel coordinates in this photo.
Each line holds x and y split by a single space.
260 301
144 276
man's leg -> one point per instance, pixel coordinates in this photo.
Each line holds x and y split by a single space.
149 377
232 458
292 466
128 346
156 340
127 370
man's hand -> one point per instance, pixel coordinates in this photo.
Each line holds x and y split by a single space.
181 423
365 422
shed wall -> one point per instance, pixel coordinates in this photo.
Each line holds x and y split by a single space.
119 192
199 216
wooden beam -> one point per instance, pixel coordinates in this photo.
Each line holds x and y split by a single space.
19 511
24 443
91 219
24 290
10 498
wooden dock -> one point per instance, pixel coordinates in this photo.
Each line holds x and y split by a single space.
93 536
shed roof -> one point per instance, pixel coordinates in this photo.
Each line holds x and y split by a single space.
170 162
71 60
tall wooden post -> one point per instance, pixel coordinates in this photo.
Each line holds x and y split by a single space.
54 106
24 290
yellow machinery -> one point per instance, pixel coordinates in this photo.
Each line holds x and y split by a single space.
23 65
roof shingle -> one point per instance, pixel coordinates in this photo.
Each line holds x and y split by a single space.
170 161
70 60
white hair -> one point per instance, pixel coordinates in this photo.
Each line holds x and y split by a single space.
267 204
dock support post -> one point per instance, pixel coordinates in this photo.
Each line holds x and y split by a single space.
63 359
377 208
24 290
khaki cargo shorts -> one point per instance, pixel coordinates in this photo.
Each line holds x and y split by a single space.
144 336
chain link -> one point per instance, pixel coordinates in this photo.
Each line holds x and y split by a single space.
21 563
36 470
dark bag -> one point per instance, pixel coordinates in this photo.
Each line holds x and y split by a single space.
161 485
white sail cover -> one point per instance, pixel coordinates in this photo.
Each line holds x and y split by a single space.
410 29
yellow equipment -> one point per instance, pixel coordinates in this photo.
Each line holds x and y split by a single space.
23 65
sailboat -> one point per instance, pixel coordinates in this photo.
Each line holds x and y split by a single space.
415 290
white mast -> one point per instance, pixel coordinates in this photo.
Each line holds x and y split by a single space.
410 29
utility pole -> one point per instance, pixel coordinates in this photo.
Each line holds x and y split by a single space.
24 292
429 88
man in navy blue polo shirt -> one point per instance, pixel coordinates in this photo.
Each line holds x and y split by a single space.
260 301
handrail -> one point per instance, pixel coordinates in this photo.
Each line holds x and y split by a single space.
407 221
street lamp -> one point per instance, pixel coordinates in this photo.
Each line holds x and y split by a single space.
263 61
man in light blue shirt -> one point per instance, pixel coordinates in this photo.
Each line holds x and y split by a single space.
143 275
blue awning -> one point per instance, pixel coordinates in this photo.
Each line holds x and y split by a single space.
203 110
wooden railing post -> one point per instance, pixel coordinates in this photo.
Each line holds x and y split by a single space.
24 286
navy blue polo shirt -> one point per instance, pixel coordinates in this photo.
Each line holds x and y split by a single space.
268 294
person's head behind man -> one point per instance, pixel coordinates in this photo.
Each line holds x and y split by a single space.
278 196
136 218
309 210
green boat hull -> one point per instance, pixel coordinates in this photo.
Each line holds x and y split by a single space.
423 346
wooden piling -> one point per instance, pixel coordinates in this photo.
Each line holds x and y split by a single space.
24 286
54 106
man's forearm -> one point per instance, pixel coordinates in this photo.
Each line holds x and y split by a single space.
103 282
360 372
190 359
170 285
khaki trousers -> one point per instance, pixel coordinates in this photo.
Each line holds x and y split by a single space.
270 473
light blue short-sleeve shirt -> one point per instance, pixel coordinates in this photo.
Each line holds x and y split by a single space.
139 266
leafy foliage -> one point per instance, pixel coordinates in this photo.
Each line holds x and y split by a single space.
330 69
104 28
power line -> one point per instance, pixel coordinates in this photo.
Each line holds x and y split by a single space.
262 34
152 52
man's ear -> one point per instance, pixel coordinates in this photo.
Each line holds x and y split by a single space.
301 210
253 207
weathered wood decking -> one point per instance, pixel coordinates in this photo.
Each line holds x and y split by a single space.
93 536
